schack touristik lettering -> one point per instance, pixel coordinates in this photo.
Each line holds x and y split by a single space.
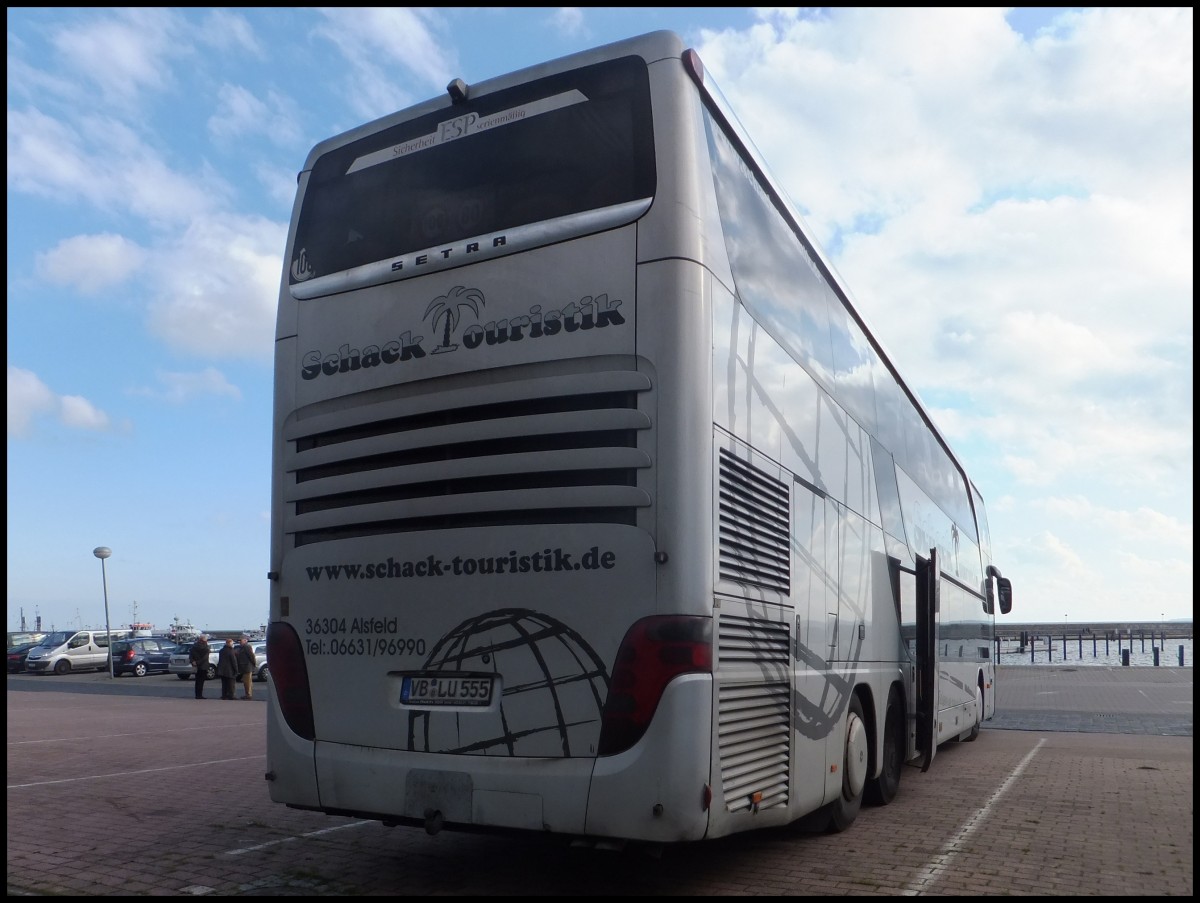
445 314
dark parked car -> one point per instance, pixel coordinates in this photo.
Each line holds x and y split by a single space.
141 656
17 656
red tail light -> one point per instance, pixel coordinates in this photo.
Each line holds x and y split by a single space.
128 656
289 675
654 651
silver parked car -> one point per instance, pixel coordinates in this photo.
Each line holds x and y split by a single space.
260 655
181 666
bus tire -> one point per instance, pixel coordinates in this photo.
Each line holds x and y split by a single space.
855 759
62 666
883 789
978 713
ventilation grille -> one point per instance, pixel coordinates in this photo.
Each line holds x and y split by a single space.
764 643
534 451
754 730
754 721
754 526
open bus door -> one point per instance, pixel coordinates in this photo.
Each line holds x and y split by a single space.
928 593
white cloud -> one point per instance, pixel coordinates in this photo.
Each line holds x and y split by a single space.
179 388
79 413
569 21
91 263
374 41
929 108
1142 528
102 162
125 52
1000 252
240 113
1096 564
227 30
216 287
30 399
280 184
211 288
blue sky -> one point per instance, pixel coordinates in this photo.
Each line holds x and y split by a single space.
1007 193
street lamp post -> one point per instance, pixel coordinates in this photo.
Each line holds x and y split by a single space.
103 552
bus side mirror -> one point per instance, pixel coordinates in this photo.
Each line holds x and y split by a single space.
1004 588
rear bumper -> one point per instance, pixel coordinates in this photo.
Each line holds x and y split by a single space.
654 792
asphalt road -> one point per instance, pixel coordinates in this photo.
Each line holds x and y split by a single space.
131 787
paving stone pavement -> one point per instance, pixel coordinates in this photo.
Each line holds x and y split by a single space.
1094 699
131 788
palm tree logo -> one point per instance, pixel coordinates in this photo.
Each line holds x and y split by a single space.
446 307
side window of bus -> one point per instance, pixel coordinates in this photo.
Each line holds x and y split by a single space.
80 639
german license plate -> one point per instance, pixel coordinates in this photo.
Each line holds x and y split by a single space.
446 689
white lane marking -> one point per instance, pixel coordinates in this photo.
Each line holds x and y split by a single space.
180 730
271 843
944 858
123 774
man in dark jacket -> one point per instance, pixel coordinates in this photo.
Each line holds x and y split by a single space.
227 669
247 665
199 659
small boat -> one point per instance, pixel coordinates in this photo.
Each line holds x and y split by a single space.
182 631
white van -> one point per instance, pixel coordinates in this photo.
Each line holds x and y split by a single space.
69 650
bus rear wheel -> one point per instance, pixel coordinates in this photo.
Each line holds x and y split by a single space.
855 759
883 789
978 713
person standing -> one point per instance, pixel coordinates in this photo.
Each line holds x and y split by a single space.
227 668
199 659
247 665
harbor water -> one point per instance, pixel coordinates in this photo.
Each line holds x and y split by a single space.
1092 650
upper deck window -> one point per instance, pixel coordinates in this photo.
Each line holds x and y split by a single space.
566 144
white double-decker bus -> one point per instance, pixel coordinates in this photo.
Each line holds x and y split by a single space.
597 508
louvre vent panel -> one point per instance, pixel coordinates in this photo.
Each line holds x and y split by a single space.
530 451
754 740
753 640
750 722
754 526
763 773
754 717
515 466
